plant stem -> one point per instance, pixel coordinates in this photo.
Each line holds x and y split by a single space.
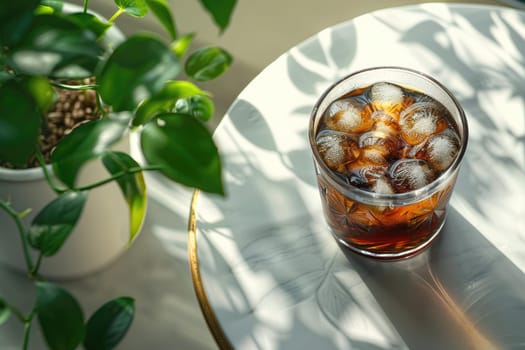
27 332
49 178
18 314
86 5
129 171
27 329
21 231
100 105
27 321
59 190
74 87
34 272
115 15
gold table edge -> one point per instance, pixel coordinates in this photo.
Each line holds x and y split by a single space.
209 315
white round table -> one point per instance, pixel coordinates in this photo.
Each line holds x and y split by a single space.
267 272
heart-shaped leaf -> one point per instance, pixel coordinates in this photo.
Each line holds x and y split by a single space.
50 6
86 142
15 19
182 44
199 106
152 107
43 93
19 123
162 11
207 63
135 8
181 89
60 317
142 64
132 186
55 46
108 325
185 151
5 76
91 22
220 10
55 222
165 100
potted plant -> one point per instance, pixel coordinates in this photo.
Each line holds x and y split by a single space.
132 85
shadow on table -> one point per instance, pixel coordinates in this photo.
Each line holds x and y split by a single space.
464 278
285 289
462 293
289 287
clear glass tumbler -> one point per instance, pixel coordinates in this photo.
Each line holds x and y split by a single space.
374 210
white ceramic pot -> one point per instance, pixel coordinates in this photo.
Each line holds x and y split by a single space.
100 236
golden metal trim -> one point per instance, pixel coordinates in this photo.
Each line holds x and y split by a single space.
209 315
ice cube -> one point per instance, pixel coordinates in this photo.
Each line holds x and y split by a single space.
418 122
347 115
382 185
410 174
384 143
386 96
370 165
337 149
411 151
385 122
441 149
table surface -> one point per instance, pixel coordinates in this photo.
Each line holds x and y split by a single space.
270 276
155 270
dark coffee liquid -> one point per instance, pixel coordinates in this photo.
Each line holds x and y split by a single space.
386 139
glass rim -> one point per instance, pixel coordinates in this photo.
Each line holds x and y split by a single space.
370 197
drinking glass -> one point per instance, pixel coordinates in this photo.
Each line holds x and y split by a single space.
386 225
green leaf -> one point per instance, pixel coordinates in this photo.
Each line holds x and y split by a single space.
44 10
108 325
199 106
14 8
162 11
181 89
15 19
208 63
185 151
142 64
90 22
132 186
135 8
19 123
165 100
220 10
5 76
57 5
181 45
43 93
5 311
57 47
55 222
50 6
60 317
86 142
152 107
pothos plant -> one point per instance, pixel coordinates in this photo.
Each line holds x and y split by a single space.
136 83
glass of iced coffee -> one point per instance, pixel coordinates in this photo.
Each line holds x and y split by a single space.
387 144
